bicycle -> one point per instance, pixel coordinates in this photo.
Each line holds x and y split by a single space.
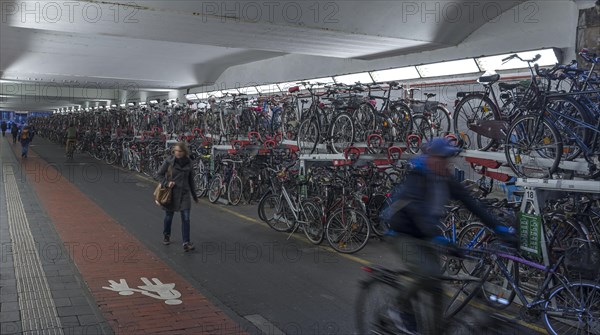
228 182
290 211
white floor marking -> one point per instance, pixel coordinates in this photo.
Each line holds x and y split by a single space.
166 292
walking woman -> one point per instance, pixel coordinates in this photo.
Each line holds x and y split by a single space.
177 172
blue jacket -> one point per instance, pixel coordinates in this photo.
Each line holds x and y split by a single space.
417 203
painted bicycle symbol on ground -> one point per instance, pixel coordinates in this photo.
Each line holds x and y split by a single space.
155 289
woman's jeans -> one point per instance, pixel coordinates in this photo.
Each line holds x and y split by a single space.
185 224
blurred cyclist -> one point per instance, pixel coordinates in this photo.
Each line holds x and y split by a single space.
414 214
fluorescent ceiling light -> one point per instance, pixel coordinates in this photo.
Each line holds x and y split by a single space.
131 104
450 68
401 73
122 105
285 86
153 102
202 96
321 81
113 106
191 97
548 58
216 94
351 79
271 88
142 103
231 91
248 90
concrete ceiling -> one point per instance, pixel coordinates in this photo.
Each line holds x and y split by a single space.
119 45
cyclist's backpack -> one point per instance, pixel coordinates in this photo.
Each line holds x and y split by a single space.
24 134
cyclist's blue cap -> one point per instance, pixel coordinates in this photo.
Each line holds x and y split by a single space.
441 147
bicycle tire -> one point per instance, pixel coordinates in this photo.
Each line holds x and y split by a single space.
201 184
215 188
402 117
262 214
503 292
338 228
467 290
308 136
281 219
376 203
342 127
441 121
234 191
314 228
557 304
364 117
466 134
549 154
577 112
375 298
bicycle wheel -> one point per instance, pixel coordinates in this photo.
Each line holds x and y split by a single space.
201 184
266 206
496 290
364 122
375 300
422 128
473 108
234 191
570 118
374 207
440 120
341 133
533 147
348 230
401 117
573 308
215 188
313 226
467 289
281 219
308 136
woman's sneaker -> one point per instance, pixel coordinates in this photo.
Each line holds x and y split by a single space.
167 240
188 246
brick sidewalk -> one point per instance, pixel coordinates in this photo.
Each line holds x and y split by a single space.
106 251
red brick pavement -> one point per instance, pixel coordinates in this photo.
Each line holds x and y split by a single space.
106 251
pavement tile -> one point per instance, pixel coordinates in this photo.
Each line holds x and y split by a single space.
9 306
10 316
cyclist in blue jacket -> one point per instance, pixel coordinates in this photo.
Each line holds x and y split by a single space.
414 214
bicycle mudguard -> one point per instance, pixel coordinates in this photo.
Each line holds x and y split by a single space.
494 129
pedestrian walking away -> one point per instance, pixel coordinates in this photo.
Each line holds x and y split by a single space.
14 131
3 127
25 139
177 173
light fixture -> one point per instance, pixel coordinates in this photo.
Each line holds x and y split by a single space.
202 96
271 88
96 107
449 68
320 82
401 73
249 90
285 86
191 97
549 58
216 94
143 103
113 106
351 79
153 102
122 105
131 104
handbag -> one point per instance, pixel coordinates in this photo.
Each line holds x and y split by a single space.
163 194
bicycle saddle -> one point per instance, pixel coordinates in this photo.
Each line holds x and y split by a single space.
489 79
507 86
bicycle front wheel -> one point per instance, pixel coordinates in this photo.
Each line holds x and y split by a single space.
313 228
341 133
308 136
348 230
214 190
573 309
533 147
234 191
375 300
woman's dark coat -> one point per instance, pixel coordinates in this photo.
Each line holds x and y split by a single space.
183 176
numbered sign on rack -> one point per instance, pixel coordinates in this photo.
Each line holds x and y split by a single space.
531 233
